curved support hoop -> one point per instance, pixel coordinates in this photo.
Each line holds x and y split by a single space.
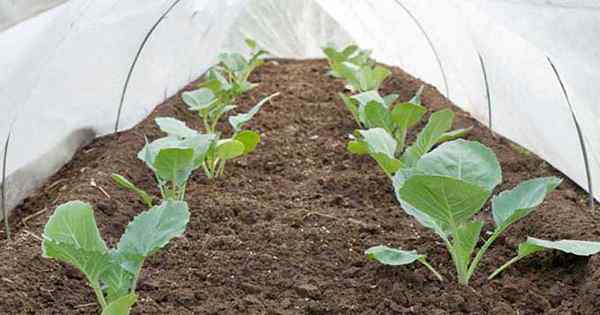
487 90
586 162
135 59
3 187
430 42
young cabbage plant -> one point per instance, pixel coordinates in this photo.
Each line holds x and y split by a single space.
221 150
385 142
448 186
351 54
71 236
361 78
370 110
224 83
172 159
534 245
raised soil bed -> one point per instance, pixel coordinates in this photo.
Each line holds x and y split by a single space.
283 232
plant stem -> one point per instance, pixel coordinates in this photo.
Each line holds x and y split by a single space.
481 252
435 273
221 168
136 278
506 265
99 295
206 170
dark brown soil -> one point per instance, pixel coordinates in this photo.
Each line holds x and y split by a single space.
284 231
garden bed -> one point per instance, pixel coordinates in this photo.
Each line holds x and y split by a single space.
283 232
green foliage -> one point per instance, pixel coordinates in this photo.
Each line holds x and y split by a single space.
172 159
221 150
391 128
71 236
534 245
361 78
215 98
397 257
350 54
445 188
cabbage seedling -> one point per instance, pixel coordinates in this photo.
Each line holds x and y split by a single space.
351 54
449 185
224 83
361 78
534 245
242 142
71 236
385 142
172 159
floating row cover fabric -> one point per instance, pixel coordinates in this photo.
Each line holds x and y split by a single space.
69 73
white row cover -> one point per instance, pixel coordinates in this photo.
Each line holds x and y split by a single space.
64 71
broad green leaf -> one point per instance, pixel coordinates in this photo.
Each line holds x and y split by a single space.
469 161
391 256
580 248
512 205
440 228
376 77
240 119
174 127
332 55
357 147
200 144
121 306
199 99
465 240
91 263
438 123
71 236
447 200
234 62
365 98
382 147
249 139
379 141
118 281
377 116
175 164
349 72
228 149
425 220
126 184
389 165
453 135
150 150
407 115
150 231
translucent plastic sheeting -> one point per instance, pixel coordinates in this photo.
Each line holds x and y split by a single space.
64 71
14 11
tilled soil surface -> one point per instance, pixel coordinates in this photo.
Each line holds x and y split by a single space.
283 232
